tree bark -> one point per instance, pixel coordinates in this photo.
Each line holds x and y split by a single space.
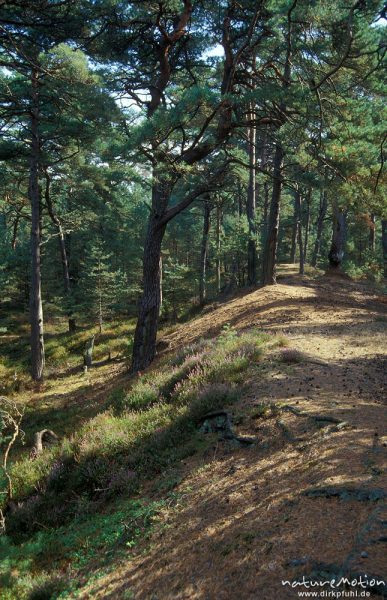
204 252
41 438
301 246
36 308
307 225
270 252
144 345
263 191
88 353
384 245
218 247
62 248
320 226
250 209
336 253
266 202
372 236
296 218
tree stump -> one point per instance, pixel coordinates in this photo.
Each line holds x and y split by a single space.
88 353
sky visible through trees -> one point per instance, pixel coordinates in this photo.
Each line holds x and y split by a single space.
154 155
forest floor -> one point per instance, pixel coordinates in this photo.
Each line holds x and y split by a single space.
310 497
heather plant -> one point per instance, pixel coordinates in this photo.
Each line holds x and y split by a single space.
144 430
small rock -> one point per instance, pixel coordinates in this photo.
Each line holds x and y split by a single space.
364 554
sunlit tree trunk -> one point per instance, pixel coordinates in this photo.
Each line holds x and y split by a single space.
36 308
144 345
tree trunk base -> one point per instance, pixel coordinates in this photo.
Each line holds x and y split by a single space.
72 325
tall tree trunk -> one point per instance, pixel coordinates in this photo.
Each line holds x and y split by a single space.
144 345
307 224
372 236
301 247
384 245
320 225
240 199
161 281
204 252
218 248
264 190
36 308
270 252
250 209
100 305
265 220
336 253
62 248
14 232
296 218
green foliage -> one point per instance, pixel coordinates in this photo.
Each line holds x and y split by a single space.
96 539
112 120
147 431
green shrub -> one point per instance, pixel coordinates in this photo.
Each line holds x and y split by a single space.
91 537
145 431
371 268
148 429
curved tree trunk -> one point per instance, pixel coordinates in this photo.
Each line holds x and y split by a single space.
144 345
270 252
336 253
62 247
36 308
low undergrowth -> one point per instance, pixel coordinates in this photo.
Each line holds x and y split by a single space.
63 351
43 568
146 430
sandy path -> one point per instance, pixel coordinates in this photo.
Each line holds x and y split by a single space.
244 522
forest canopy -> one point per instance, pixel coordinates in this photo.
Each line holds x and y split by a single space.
154 155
